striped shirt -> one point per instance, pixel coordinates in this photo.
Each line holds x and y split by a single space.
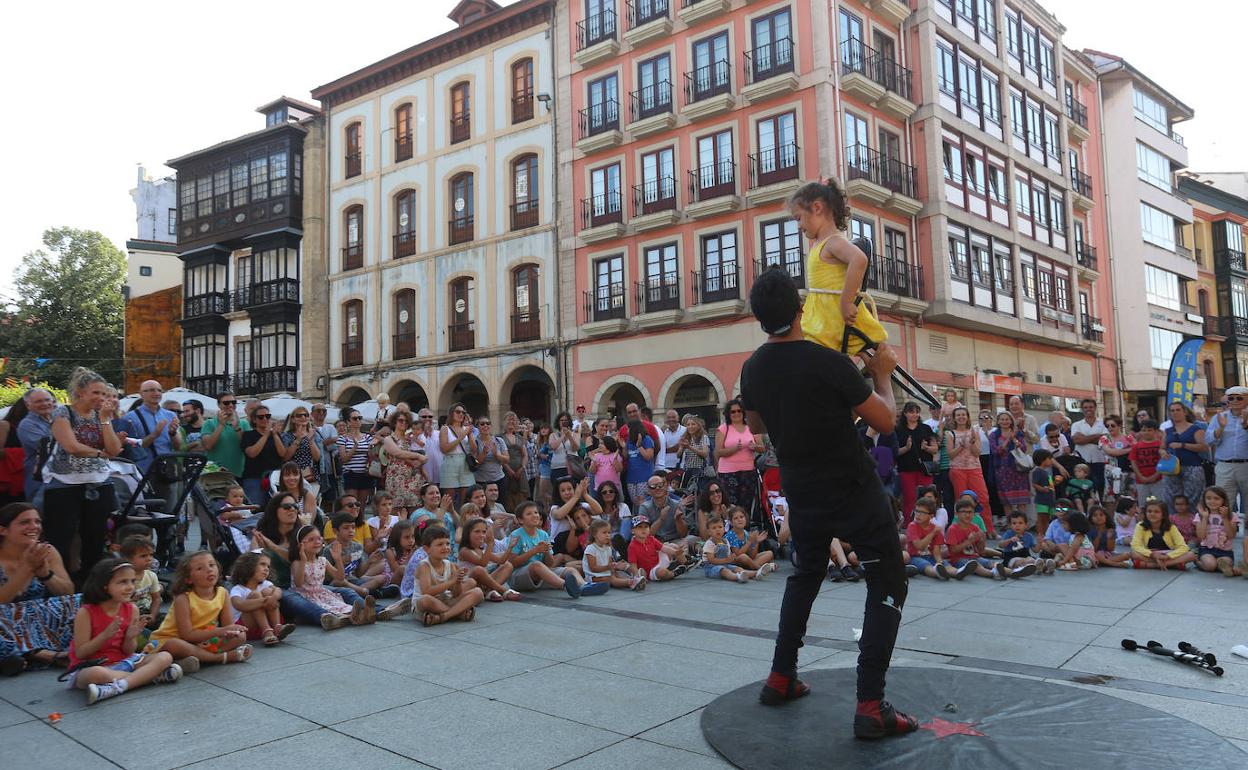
359 461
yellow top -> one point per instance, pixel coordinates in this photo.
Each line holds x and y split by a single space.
1143 533
822 321
363 532
205 613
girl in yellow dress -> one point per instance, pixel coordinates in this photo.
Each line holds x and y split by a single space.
834 272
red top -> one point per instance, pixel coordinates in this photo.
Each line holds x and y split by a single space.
112 651
915 532
645 553
1145 455
957 535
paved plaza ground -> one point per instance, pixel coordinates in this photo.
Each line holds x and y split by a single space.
621 680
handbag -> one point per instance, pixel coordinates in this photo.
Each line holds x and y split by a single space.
576 468
930 467
1169 466
469 458
1022 460
377 461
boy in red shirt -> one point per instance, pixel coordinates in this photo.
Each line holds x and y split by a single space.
966 548
647 554
924 541
1144 457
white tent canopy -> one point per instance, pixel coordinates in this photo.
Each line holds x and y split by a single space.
181 395
283 404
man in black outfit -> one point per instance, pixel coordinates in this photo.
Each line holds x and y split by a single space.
805 397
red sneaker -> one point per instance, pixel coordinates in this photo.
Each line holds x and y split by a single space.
878 719
780 689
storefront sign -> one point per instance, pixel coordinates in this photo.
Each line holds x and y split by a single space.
998 383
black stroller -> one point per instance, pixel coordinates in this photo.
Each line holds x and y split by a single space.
177 472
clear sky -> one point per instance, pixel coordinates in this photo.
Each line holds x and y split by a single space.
95 89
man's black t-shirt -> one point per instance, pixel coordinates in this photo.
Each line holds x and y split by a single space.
266 462
805 394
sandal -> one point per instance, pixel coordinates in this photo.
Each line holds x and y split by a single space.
270 638
513 595
493 596
431 618
243 654
468 614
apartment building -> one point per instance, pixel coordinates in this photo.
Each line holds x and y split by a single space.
691 124
1151 265
1217 235
441 219
240 227
1006 140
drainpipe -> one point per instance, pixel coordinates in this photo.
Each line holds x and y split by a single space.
562 385
1109 228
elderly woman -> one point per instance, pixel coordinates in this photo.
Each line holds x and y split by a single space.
37 600
1185 439
78 497
1025 423
1013 484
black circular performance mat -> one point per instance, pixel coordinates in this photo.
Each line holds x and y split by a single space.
967 720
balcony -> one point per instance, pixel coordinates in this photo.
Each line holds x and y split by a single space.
353 352
1178 138
267 293
1077 128
658 300
881 180
650 109
1092 329
404 345
595 37
208 383
1234 329
1081 186
461 230
876 79
792 261
1229 259
716 292
461 128
654 204
354 164
1184 252
774 173
352 257
693 11
713 190
1212 329
647 20
403 147
1085 257
461 336
522 107
605 304
708 90
600 126
602 217
526 327
213 303
894 276
769 70
524 214
404 244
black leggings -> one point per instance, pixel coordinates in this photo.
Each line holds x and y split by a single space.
859 513
81 510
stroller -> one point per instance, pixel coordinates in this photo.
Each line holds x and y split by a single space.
139 504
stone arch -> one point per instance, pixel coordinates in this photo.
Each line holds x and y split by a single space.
608 398
694 390
529 392
352 393
677 378
466 386
409 391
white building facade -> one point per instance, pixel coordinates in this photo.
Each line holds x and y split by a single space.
152 256
441 240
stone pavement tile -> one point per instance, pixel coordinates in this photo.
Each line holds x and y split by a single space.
314 749
686 608
1216 635
635 753
265 659
541 639
627 705
932 594
983 643
451 662
319 691
39 694
712 672
1227 721
1209 596
42 747
460 730
683 733
611 625
1242 744
353 639
827 626
178 726
754 647
1013 606
1108 587
1038 627
1154 668
12 715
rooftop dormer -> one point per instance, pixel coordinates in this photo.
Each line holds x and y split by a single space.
469 11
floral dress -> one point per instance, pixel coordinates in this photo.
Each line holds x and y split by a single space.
1013 485
404 478
36 620
314 590
303 454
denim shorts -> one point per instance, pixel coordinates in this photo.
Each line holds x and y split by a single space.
712 570
922 562
126 665
1216 553
985 563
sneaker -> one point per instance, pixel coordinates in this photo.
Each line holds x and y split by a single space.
834 574
772 695
390 592
679 570
330 621
99 692
634 581
1226 567
171 674
1050 566
911 571
742 577
693 563
998 571
942 571
401 607
641 585
572 587
1027 570
878 719
767 569
189 664
849 573
964 570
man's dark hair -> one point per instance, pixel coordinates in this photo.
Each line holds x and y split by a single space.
774 301
195 404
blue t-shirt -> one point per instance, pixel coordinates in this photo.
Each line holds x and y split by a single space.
1057 533
1019 549
639 468
1187 458
526 542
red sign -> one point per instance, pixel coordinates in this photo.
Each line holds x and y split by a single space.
998 383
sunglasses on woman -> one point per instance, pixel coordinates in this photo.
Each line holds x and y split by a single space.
289 507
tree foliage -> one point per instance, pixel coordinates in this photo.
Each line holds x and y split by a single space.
69 308
10 394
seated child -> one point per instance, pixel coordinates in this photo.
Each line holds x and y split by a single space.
966 544
255 599
308 570
843 562
1158 544
199 627
941 518
1079 489
1101 535
745 544
1126 517
651 556
1056 537
444 589
924 541
400 546
717 557
570 544
1216 529
347 556
383 505
602 565
1019 542
234 507
1183 517
138 550
490 570
530 549
1079 553
126 531
106 629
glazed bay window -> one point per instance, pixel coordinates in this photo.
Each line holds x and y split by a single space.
203 362
782 247
1157 227
203 196
1163 288
275 356
661 288
259 178
1151 112
1162 343
1152 167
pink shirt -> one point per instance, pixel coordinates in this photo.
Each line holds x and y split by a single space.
741 461
602 466
968 458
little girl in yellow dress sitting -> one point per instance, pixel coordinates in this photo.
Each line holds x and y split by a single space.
835 269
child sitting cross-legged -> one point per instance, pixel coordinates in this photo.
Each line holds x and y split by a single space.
966 547
1101 535
1158 544
308 569
1126 517
200 627
602 565
489 569
1079 552
105 631
443 589
717 557
649 555
924 541
531 556
745 544
1183 517
1056 536
138 551
255 599
349 561
1017 545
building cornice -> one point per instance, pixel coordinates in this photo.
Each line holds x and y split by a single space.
1213 196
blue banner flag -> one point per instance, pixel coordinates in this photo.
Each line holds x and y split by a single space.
1184 369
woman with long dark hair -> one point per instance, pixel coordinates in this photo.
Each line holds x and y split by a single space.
37 600
916 450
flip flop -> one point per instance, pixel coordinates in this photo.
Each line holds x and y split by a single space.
493 596
270 638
